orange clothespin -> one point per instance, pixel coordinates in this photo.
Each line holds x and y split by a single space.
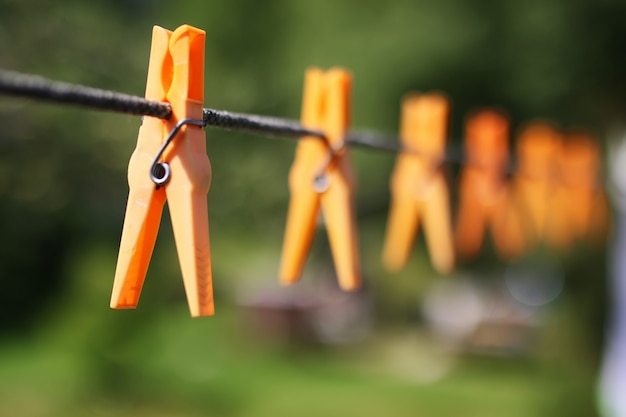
321 175
534 182
175 75
484 194
579 209
418 185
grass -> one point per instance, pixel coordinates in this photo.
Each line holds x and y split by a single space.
85 360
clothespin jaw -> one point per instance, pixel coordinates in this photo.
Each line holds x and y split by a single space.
175 75
419 190
485 199
537 147
580 161
486 141
321 178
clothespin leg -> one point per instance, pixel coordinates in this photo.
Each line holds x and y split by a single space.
559 233
339 215
190 223
141 221
145 203
600 222
137 244
508 229
299 232
470 227
438 228
401 231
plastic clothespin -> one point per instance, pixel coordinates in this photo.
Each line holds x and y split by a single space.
321 175
484 195
418 186
175 75
579 208
534 181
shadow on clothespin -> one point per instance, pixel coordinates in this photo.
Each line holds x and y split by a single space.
579 209
534 182
484 196
182 177
321 176
419 190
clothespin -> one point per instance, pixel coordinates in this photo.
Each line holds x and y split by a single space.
321 176
534 184
579 209
175 75
484 194
419 190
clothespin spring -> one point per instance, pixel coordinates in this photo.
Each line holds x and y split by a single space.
160 171
321 181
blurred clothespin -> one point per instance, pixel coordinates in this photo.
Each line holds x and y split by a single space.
175 75
534 184
419 190
484 196
322 176
579 209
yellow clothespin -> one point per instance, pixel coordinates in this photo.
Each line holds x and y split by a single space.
534 182
321 175
579 208
484 195
418 186
175 75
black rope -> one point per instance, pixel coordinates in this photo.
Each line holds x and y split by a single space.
34 86
273 126
37 87
286 128
374 140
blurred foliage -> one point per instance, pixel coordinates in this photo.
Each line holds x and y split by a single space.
63 191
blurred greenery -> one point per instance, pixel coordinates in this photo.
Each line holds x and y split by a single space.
63 193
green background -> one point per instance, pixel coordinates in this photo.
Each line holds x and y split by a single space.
63 193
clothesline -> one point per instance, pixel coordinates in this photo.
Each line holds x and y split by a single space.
44 89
